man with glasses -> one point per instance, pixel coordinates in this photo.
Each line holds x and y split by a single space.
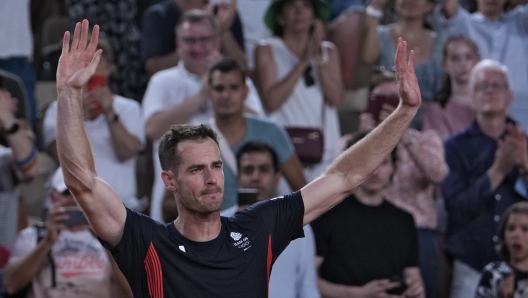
488 164
177 95
158 41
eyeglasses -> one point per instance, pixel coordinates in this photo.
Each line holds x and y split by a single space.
308 77
195 40
480 87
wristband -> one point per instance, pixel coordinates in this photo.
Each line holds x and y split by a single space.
372 12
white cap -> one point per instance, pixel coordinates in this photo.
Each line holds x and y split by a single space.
57 181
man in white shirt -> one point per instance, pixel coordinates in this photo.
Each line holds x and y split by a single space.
500 36
177 95
115 128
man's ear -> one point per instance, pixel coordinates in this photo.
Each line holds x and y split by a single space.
169 179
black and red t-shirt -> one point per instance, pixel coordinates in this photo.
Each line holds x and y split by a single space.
159 262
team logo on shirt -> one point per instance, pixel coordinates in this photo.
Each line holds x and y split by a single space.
241 241
236 236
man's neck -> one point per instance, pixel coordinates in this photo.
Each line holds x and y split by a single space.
197 71
369 198
233 128
461 94
520 265
492 125
199 227
491 16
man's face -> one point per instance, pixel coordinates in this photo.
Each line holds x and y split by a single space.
256 171
199 178
491 92
381 178
227 92
196 41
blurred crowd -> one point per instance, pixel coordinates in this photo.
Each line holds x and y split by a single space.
287 85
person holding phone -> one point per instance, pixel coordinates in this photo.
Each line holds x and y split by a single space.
115 126
421 168
63 259
293 273
509 277
366 245
298 74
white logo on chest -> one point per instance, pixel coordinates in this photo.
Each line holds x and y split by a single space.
236 236
241 241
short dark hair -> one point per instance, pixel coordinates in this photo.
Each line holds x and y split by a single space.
358 136
224 66
517 208
255 146
168 154
194 16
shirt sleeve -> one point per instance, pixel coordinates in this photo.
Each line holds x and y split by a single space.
283 218
130 114
465 197
50 123
253 100
157 96
131 250
157 38
25 242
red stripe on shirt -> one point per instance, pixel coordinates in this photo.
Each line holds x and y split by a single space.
270 258
154 273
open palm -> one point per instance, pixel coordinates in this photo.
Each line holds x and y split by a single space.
406 77
78 63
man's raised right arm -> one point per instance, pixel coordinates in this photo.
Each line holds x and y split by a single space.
101 204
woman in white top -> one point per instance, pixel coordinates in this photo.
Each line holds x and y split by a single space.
299 75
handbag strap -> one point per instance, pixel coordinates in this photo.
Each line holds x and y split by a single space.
225 150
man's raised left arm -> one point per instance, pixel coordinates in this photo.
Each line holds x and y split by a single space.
356 164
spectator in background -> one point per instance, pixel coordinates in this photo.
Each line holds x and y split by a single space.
420 170
486 160
365 241
453 108
379 44
499 36
16 48
345 31
67 261
17 162
177 95
293 273
509 278
117 19
299 74
159 32
115 127
227 91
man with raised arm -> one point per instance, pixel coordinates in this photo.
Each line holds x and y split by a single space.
201 254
